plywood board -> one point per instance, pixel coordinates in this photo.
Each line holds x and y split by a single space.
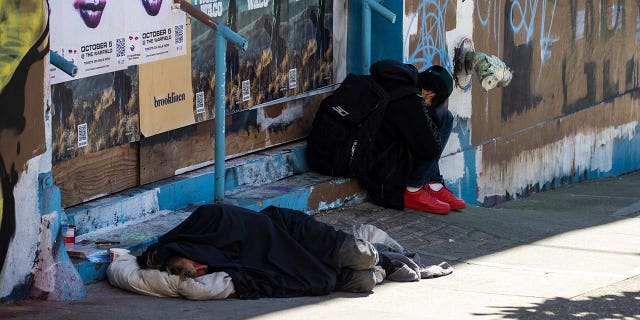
180 150
97 174
166 95
165 153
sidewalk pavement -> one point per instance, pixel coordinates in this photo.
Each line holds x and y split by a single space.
569 253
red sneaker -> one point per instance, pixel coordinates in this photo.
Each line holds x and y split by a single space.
445 195
424 201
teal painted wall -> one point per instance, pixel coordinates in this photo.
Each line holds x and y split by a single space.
386 38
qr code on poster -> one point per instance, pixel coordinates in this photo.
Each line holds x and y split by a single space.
293 78
200 102
120 47
82 135
179 34
246 90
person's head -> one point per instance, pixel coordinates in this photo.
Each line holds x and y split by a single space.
437 84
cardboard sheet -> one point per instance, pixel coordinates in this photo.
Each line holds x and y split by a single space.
166 95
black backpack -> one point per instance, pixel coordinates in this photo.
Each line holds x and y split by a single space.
341 139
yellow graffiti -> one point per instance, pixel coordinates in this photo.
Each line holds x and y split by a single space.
21 24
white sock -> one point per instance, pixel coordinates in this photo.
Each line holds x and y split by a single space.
413 189
436 186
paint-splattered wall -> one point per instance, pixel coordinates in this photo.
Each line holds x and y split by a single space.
23 47
572 109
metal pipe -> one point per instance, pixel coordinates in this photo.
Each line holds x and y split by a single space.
366 37
63 64
235 39
381 10
219 153
367 7
223 34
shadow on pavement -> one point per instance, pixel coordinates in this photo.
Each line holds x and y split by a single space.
623 306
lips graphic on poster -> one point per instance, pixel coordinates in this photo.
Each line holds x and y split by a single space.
152 6
90 11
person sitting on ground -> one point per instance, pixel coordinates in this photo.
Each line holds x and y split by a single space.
410 141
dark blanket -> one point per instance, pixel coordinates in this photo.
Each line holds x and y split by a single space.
274 253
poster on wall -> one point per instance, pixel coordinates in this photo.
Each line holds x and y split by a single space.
154 32
309 46
203 44
95 113
289 51
102 36
85 32
166 96
255 78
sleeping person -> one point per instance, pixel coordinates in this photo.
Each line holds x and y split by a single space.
276 252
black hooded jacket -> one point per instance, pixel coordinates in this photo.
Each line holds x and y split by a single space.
407 133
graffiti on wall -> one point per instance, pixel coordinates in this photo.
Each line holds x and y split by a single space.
509 28
524 31
530 17
489 15
429 45
569 77
605 23
23 46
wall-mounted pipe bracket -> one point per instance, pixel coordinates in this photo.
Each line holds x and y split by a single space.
63 64
367 7
492 71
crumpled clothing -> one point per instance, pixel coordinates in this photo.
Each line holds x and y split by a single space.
435 271
398 264
376 236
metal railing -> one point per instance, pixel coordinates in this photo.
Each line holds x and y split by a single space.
223 34
367 7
